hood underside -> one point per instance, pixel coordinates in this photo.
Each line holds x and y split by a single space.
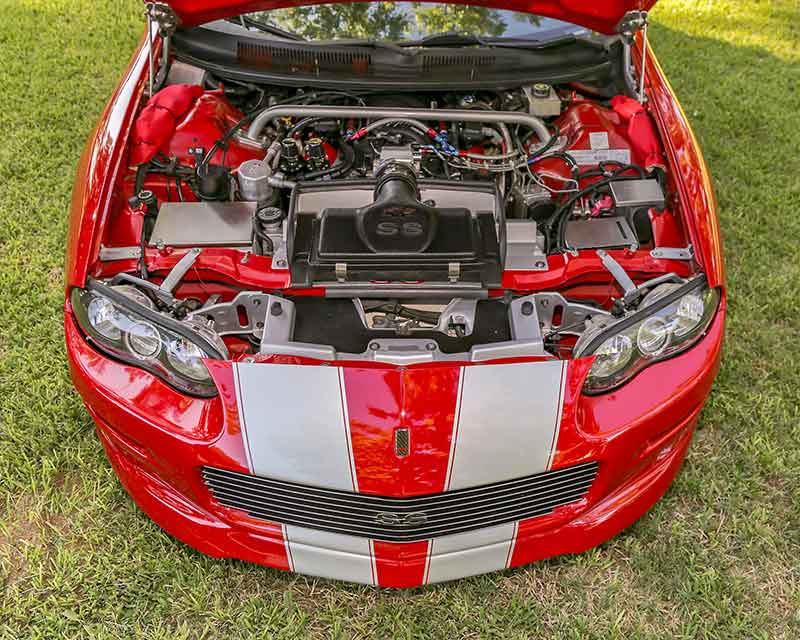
603 16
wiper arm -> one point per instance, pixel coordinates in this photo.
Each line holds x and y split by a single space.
366 43
249 23
461 40
446 39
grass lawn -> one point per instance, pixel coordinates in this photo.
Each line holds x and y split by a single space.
718 557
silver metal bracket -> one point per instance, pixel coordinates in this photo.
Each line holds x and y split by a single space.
459 311
453 271
673 253
180 269
633 293
244 314
280 260
524 246
618 272
109 254
341 271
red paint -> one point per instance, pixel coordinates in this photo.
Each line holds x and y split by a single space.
401 565
158 439
696 191
599 16
384 398
156 123
640 130
638 434
97 171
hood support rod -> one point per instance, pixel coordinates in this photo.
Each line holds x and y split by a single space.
642 71
151 68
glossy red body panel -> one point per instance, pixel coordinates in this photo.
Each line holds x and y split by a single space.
157 439
601 16
382 401
96 173
694 183
639 435
401 565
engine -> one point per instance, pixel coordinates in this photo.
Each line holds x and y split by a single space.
406 211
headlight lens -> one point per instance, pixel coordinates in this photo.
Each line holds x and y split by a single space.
143 340
187 358
670 320
128 328
104 318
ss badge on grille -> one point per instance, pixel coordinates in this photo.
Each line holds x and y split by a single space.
401 442
406 520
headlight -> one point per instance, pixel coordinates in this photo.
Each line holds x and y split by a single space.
122 322
670 319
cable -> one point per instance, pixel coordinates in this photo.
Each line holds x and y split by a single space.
561 214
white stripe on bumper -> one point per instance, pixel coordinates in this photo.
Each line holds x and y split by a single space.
468 554
331 555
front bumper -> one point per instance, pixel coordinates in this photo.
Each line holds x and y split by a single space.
158 439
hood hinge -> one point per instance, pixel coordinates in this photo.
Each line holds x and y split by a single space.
167 21
631 23
164 16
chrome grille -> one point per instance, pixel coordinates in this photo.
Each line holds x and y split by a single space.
400 519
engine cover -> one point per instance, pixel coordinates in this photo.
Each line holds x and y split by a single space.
449 229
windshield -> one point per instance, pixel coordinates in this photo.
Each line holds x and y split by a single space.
401 22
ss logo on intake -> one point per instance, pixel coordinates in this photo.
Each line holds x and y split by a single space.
410 229
406 520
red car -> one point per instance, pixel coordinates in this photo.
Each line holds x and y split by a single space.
394 293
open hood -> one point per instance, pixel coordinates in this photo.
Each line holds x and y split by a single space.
603 16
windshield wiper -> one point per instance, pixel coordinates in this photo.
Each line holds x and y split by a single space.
249 23
446 39
366 43
453 39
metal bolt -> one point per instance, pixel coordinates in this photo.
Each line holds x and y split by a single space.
430 346
276 309
540 264
527 308
282 263
374 346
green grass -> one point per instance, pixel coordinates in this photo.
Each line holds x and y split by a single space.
718 557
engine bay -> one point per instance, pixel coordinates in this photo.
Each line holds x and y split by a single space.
405 227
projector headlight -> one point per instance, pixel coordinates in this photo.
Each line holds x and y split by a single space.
671 318
122 322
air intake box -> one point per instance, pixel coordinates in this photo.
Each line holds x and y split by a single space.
344 232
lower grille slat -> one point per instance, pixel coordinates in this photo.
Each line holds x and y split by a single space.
400 519
358 513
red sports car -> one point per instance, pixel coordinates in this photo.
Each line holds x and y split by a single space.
394 292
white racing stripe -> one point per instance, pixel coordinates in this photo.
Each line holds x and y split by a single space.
468 554
331 555
506 422
295 426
